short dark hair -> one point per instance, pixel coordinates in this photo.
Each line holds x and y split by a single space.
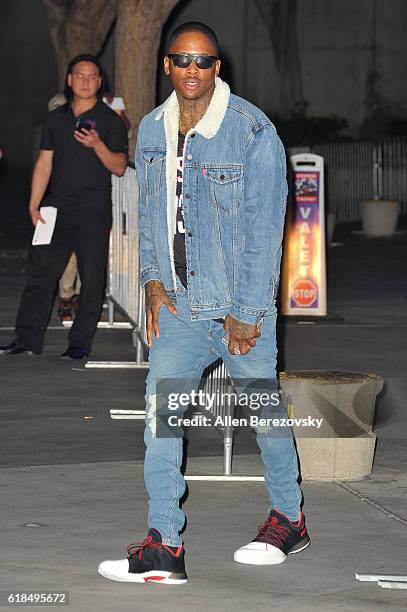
194 26
84 57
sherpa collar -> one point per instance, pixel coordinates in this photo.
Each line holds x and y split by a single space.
210 123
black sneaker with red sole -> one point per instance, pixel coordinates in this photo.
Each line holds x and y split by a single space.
276 538
149 561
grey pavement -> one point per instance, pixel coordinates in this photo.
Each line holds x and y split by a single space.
80 479
89 512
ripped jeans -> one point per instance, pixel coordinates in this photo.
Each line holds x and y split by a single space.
185 348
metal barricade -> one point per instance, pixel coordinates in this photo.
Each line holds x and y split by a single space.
124 293
218 384
123 285
392 171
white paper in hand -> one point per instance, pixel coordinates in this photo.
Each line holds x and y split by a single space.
43 231
115 104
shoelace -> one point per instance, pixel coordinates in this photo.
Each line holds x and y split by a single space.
134 549
272 532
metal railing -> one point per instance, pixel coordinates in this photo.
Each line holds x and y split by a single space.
124 292
123 273
218 384
392 165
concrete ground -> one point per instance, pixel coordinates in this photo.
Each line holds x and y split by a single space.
79 480
89 512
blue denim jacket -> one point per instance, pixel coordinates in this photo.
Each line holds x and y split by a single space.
234 199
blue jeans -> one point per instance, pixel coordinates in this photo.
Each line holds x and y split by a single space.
184 349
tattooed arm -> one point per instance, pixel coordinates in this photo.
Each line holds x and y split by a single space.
155 297
242 336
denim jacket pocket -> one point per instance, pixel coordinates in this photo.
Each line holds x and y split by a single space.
153 163
224 184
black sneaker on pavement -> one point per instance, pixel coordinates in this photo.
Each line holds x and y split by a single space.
277 538
15 348
75 352
150 561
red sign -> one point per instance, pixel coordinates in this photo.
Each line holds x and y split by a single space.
304 292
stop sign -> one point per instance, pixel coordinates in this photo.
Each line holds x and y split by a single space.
304 292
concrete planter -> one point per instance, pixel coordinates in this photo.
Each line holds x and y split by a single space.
379 217
342 448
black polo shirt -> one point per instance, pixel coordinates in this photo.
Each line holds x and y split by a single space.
78 176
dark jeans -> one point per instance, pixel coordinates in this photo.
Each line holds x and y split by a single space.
84 230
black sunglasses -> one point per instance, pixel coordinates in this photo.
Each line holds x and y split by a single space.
183 60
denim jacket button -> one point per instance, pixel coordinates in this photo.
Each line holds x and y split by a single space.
222 177
189 156
192 273
192 135
187 196
190 234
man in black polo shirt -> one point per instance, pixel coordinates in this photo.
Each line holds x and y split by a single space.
82 143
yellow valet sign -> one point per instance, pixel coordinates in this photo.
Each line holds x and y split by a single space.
303 287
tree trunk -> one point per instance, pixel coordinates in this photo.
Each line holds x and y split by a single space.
79 26
138 36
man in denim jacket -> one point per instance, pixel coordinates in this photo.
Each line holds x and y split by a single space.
213 190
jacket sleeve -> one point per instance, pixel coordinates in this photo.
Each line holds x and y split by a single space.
148 260
264 206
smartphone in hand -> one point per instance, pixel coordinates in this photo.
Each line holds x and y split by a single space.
84 123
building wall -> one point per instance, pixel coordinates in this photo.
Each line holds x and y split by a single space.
336 39
342 43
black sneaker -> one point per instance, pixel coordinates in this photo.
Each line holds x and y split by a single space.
75 352
15 348
277 538
150 561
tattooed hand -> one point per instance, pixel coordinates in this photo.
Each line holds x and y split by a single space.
242 336
155 297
